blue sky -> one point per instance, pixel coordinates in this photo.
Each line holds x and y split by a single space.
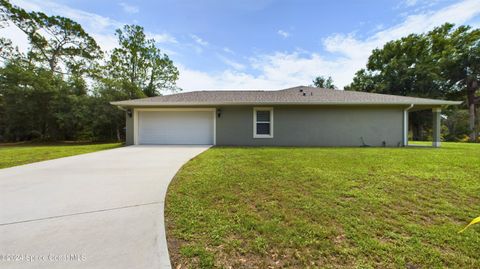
260 44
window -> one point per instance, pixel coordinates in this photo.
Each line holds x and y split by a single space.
263 122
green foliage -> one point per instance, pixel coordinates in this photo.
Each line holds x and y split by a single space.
456 124
325 83
57 42
401 67
6 49
443 63
326 208
37 104
59 91
364 81
27 94
459 50
139 64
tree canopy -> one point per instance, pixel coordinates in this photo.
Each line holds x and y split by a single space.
324 82
61 87
57 43
442 63
138 62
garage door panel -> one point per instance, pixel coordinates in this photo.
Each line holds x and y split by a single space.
175 127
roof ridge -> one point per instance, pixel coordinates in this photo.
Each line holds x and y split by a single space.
385 94
292 95
370 93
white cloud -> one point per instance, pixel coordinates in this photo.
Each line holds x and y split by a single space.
356 51
279 70
235 65
99 27
199 40
283 33
130 9
227 79
418 4
378 27
410 3
346 52
228 50
19 39
475 24
162 38
285 69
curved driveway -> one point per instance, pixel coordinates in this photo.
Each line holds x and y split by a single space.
96 210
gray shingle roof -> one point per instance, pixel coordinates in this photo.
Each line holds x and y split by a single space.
301 95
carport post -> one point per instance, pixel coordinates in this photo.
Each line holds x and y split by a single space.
436 127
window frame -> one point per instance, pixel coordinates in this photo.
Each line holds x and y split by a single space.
255 109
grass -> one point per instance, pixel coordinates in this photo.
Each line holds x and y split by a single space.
326 208
18 154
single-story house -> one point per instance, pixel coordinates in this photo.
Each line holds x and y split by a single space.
298 116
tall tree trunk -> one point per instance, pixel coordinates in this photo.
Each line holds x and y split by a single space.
471 89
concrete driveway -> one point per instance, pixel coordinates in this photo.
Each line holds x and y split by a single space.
96 210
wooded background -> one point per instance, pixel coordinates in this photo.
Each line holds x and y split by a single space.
61 87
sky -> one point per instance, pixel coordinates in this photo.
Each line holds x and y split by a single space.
259 44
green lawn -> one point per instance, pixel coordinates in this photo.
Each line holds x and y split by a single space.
327 208
17 154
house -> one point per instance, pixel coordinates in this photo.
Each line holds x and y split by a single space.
298 116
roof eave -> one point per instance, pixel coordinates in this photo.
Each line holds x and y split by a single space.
153 104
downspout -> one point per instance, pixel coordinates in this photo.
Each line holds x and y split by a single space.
405 125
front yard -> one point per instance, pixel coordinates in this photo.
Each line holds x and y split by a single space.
326 207
18 154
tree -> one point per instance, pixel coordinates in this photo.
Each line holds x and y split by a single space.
443 63
44 93
363 81
140 65
6 47
401 67
457 51
57 42
456 124
26 95
322 82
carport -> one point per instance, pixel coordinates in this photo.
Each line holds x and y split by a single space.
436 123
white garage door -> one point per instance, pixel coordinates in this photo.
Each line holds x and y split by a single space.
175 127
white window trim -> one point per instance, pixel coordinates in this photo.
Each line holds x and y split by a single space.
255 109
135 119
